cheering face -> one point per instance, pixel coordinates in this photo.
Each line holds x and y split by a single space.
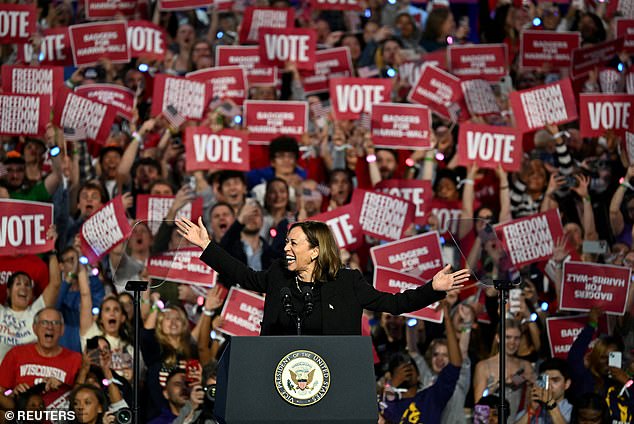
15 175
109 164
89 202
284 163
512 341
221 219
299 253
172 323
86 406
439 358
112 317
141 237
234 191
21 293
340 188
48 328
277 196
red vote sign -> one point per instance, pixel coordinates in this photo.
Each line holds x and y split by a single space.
489 146
17 23
32 80
256 18
267 119
420 256
153 210
24 114
547 104
478 61
329 63
562 332
104 230
585 285
226 82
172 5
479 97
189 98
94 41
78 112
390 281
205 149
120 98
242 313
350 97
419 192
553 47
585 59
279 46
400 126
54 49
599 113
447 212
382 216
146 40
337 4
625 29
23 227
344 224
530 239
181 266
107 9
248 58
439 90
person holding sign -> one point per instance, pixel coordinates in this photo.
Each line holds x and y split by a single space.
312 272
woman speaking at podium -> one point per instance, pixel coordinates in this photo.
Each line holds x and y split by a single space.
311 283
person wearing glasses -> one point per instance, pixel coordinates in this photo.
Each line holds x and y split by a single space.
44 362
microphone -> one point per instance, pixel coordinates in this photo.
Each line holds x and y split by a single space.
287 302
307 294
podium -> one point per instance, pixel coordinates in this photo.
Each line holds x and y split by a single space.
286 379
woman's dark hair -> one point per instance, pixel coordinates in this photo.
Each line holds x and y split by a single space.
435 21
100 395
269 187
600 34
11 281
318 234
349 176
591 401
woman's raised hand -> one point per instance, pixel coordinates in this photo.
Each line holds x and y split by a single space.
446 280
195 234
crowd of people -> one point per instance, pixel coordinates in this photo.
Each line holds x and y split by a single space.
66 334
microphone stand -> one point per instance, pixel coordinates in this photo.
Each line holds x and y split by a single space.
503 287
136 287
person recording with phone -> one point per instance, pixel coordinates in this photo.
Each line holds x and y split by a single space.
311 277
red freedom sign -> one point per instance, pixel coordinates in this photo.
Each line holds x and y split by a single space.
625 29
108 9
584 59
205 149
247 57
531 239
24 114
32 80
95 41
23 227
242 313
154 209
479 97
439 90
54 48
146 40
78 112
336 4
266 119
226 82
599 113
540 47
17 23
344 224
420 255
256 18
585 285
329 63
391 281
119 97
418 192
489 146
181 266
279 46
547 104
562 332
484 61
105 229
382 216
400 126
188 97
172 5
353 96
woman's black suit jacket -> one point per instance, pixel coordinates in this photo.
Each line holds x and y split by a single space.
342 300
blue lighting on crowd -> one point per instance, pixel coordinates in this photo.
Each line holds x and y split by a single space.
83 260
537 21
220 34
533 317
55 150
367 13
391 72
620 67
411 322
442 240
95 310
391 1
237 119
544 306
41 56
143 67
